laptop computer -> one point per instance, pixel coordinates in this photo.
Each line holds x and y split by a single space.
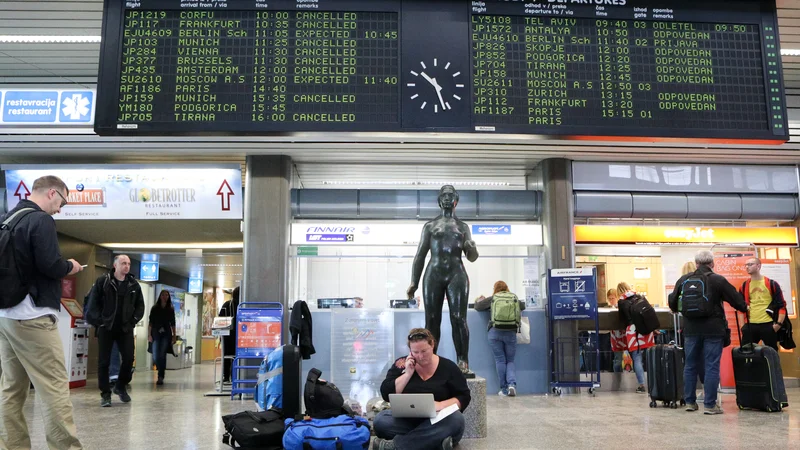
412 406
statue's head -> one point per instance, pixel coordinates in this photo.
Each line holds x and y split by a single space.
448 197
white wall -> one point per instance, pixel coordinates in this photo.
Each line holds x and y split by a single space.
144 360
380 274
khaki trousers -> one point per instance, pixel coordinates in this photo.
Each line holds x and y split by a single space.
31 352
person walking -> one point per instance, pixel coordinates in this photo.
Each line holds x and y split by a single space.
161 332
503 337
636 343
31 350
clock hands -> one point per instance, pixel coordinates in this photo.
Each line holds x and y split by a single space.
436 86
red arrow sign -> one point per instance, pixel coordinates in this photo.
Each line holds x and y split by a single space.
225 193
22 191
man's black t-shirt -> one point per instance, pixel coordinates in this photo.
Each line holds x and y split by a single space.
447 382
122 291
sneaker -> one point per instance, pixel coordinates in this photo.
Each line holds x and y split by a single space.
512 391
690 407
123 394
713 410
105 400
502 393
447 443
641 390
382 444
160 382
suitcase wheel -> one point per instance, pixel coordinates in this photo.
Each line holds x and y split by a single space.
740 407
683 402
653 404
674 405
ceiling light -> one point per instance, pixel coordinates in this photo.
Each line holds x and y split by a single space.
790 52
221 265
419 183
171 246
49 39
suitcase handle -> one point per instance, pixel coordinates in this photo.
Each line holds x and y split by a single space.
750 346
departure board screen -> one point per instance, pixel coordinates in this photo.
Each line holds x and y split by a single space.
569 68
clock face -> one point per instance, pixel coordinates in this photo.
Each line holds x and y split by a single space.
436 86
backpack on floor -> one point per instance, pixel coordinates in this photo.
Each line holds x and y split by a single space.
343 432
505 311
693 302
322 398
269 387
254 430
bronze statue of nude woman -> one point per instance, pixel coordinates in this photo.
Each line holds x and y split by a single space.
446 237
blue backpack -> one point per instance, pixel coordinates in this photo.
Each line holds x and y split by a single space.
337 433
269 389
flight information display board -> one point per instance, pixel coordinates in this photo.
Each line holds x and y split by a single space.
574 68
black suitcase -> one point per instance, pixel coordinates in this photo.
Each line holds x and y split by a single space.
292 362
758 376
665 375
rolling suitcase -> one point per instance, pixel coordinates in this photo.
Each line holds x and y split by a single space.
664 365
292 362
758 376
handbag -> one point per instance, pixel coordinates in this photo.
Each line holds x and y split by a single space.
524 334
254 430
342 432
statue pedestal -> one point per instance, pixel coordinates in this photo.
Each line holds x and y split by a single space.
475 416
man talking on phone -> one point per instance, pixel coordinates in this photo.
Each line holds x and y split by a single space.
119 305
30 298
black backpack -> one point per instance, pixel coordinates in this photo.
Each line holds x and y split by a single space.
322 398
92 312
693 302
13 281
643 315
254 430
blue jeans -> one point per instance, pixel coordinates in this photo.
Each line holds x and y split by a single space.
419 434
162 343
706 351
638 365
504 348
618 360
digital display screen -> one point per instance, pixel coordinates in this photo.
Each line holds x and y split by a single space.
573 68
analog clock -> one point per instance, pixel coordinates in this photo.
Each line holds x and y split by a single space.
436 86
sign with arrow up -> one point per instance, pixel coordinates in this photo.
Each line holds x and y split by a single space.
135 192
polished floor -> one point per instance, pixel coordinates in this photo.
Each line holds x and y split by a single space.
178 416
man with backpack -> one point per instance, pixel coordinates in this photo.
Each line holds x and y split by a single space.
698 296
767 306
31 269
115 306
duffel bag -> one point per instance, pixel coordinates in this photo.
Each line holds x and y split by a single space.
336 433
254 430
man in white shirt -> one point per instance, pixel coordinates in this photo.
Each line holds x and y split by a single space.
30 347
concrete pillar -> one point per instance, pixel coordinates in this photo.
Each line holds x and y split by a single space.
267 217
559 242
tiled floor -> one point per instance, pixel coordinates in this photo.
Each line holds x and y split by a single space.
178 416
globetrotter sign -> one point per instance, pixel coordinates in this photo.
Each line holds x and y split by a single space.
117 192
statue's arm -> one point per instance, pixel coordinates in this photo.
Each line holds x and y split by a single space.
419 259
469 245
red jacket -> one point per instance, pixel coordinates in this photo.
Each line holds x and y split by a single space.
778 304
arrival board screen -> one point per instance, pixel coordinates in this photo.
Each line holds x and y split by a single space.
575 68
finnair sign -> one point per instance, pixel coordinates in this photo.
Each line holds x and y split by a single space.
400 234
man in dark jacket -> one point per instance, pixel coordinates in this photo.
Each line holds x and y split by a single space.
229 309
704 336
118 305
30 346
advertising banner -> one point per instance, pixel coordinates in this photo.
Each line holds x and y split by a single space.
780 270
258 332
731 265
362 346
117 192
601 234
572 294
335 233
